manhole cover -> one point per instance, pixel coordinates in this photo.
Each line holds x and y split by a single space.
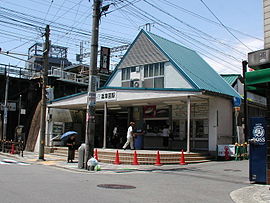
116 186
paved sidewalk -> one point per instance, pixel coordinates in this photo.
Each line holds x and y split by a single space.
250 194
61 162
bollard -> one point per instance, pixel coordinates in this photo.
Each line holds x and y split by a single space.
227 153
245 151
237 152
81 152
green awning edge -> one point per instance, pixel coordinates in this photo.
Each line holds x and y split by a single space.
258 77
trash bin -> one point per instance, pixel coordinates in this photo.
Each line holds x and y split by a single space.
81 152
138 142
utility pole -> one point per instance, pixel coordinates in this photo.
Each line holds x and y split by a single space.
91 96
6 108
19 109
244 66
46 50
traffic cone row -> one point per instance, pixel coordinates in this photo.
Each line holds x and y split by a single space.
158 163
182 158
135 158
117 159
12 149
96 154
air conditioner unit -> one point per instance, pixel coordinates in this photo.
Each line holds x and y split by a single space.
136 83
135 75
259 59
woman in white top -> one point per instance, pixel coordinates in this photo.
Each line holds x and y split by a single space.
165 134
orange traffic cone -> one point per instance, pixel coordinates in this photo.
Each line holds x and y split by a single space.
96 154
135 159
117 159
158 160
182 159
12 149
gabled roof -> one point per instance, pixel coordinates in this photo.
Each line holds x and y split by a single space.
195 70
231 78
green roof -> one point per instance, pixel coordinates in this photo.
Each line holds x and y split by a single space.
230 78
199 73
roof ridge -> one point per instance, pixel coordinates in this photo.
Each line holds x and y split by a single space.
150 33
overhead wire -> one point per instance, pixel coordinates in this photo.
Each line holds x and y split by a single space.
207 19
225 26
144 15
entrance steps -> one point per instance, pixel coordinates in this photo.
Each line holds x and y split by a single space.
149 156
145 157
59 151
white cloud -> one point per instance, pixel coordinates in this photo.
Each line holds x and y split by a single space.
234 66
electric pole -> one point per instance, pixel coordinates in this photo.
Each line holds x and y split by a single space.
91 96
46 50
6 108
244 65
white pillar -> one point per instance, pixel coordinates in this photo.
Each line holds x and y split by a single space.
105 125
188 124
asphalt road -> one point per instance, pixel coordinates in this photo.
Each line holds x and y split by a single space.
208 182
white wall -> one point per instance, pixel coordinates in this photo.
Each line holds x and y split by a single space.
173 79
220 122
116 80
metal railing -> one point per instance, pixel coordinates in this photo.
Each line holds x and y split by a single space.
68 76
19 72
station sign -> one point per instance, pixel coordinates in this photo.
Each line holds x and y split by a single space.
106 96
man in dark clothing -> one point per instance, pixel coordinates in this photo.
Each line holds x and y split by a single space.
71 148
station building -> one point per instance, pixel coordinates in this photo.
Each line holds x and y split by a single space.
157 83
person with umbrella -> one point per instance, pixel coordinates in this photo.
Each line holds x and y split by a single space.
70 143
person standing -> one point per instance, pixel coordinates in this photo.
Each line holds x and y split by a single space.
115 137
130 135
71 144
165 134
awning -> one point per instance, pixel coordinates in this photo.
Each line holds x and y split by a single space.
258 77
257 81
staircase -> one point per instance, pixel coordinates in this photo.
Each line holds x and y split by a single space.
145 157
149 157
59 151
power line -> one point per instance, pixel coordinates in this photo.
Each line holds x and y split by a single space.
206 19
224 25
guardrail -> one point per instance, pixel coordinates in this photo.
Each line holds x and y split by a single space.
68 76
19 72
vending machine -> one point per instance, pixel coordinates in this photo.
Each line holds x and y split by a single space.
257 149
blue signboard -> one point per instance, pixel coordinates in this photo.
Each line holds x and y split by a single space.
236 101
258 149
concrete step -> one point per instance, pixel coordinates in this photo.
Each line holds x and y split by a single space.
143 156
126 157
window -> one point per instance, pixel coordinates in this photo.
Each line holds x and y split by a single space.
146 71
161 69
154 75
156 70
126 73
132 69
151 70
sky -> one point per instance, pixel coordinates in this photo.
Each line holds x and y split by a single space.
222 32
